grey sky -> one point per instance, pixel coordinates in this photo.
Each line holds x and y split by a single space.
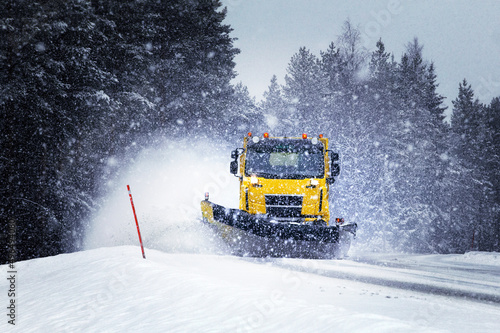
462 38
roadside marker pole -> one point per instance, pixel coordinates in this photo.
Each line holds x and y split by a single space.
136 222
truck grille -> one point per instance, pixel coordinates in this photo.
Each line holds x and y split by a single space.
283 205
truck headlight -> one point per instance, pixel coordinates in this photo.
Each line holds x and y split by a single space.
314 182
254 180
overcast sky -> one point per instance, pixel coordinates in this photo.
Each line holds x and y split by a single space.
462 38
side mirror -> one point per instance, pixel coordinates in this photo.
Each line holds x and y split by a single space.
334 167
233 167
335 170
234 154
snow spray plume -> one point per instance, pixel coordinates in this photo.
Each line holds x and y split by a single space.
169 181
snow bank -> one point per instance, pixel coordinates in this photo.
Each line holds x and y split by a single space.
477 257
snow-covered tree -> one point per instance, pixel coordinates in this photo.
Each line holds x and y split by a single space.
493 171
352 53
275 110
416 140
473 128
241 115
304 91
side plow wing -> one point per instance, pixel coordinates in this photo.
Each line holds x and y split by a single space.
241 220
262 236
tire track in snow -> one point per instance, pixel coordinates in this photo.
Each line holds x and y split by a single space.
409 279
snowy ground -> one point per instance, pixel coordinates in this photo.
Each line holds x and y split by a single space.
116 290
190 283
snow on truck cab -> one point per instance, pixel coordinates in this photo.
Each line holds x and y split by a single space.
283 199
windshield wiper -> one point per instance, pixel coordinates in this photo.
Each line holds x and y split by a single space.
266 175
283 175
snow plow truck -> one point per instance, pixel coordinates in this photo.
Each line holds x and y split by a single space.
283 200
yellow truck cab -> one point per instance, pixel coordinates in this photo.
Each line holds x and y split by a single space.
286 179
283 200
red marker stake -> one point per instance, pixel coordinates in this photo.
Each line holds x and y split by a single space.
136 222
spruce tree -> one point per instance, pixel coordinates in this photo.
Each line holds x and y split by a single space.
467 166
304 90
241 116
493 171
383 157
332 66
275 109
418 140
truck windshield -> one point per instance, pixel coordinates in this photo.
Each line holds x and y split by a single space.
285 159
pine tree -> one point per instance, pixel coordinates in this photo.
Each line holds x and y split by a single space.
332 65
419 141
304 91
241 115
383 157
493 171
352 53
202 53
468 167
343 68
275 110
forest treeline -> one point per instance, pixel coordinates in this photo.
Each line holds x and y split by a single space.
85 83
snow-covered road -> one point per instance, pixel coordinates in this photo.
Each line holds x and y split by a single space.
473 276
